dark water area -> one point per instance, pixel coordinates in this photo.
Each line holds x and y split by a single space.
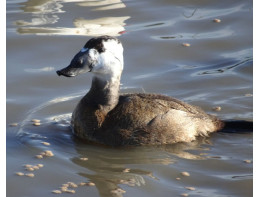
215 69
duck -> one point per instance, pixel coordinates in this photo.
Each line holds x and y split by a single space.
105 116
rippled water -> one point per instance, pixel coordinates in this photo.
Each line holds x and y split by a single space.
215 70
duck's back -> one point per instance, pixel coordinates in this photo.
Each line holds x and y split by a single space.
143 119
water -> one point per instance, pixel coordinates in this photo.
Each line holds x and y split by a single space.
215 70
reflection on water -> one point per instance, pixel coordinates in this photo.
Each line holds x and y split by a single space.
106 4
224 67
108 178
43 12
36 70
208 35
112 26
48 12
41 6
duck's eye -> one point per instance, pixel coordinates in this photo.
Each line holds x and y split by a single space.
101 50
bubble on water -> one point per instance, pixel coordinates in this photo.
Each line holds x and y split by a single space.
36 167
40 165
82 184
248 161
216 20
30 175
39 156
63 189
126 170
70 191
90 184
30 169
27 165
35 120
190 188
186 44
45 143
48 153
56 192
65 185
217 108
185 173
36 124
72 184
14 124
118 191
83 159
19 173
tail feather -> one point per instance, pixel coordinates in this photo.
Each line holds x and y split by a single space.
236 126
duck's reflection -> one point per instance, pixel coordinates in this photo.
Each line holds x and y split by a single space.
112 26
47 12
113 170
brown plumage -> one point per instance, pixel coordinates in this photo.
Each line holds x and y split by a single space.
140 119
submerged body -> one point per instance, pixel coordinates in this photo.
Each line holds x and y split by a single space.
104 116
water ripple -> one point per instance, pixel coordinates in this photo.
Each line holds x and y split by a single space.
223 68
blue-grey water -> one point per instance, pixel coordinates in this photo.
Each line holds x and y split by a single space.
215 69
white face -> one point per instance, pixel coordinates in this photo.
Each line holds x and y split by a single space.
102 56
109 64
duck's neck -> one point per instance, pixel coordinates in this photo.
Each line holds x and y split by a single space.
104 93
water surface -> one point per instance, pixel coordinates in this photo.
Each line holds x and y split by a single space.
215 70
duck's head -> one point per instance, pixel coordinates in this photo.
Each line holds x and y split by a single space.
102 56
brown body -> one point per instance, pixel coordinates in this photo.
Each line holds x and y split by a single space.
139 119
